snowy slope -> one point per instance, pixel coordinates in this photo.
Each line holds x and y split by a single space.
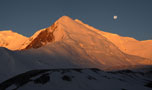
11 40
126 44
79 79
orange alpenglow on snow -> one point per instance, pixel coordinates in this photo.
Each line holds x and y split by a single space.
11 40
128 45
82 45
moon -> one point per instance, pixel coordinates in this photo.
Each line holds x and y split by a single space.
115 17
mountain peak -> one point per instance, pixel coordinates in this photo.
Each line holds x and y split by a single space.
7 31
52 33
11 40
65 19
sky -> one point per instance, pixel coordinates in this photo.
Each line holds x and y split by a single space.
28 16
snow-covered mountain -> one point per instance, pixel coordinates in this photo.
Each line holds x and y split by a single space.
15 41
65 44
75 35
79 79
11 40
126 44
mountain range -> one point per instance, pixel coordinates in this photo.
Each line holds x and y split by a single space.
70 43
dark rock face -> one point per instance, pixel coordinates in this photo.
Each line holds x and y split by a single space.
149 84
66 78
42 79
43 38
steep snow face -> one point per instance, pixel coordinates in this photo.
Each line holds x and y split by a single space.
79 79
11 40
126 44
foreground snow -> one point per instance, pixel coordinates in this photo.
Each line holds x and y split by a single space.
79 79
